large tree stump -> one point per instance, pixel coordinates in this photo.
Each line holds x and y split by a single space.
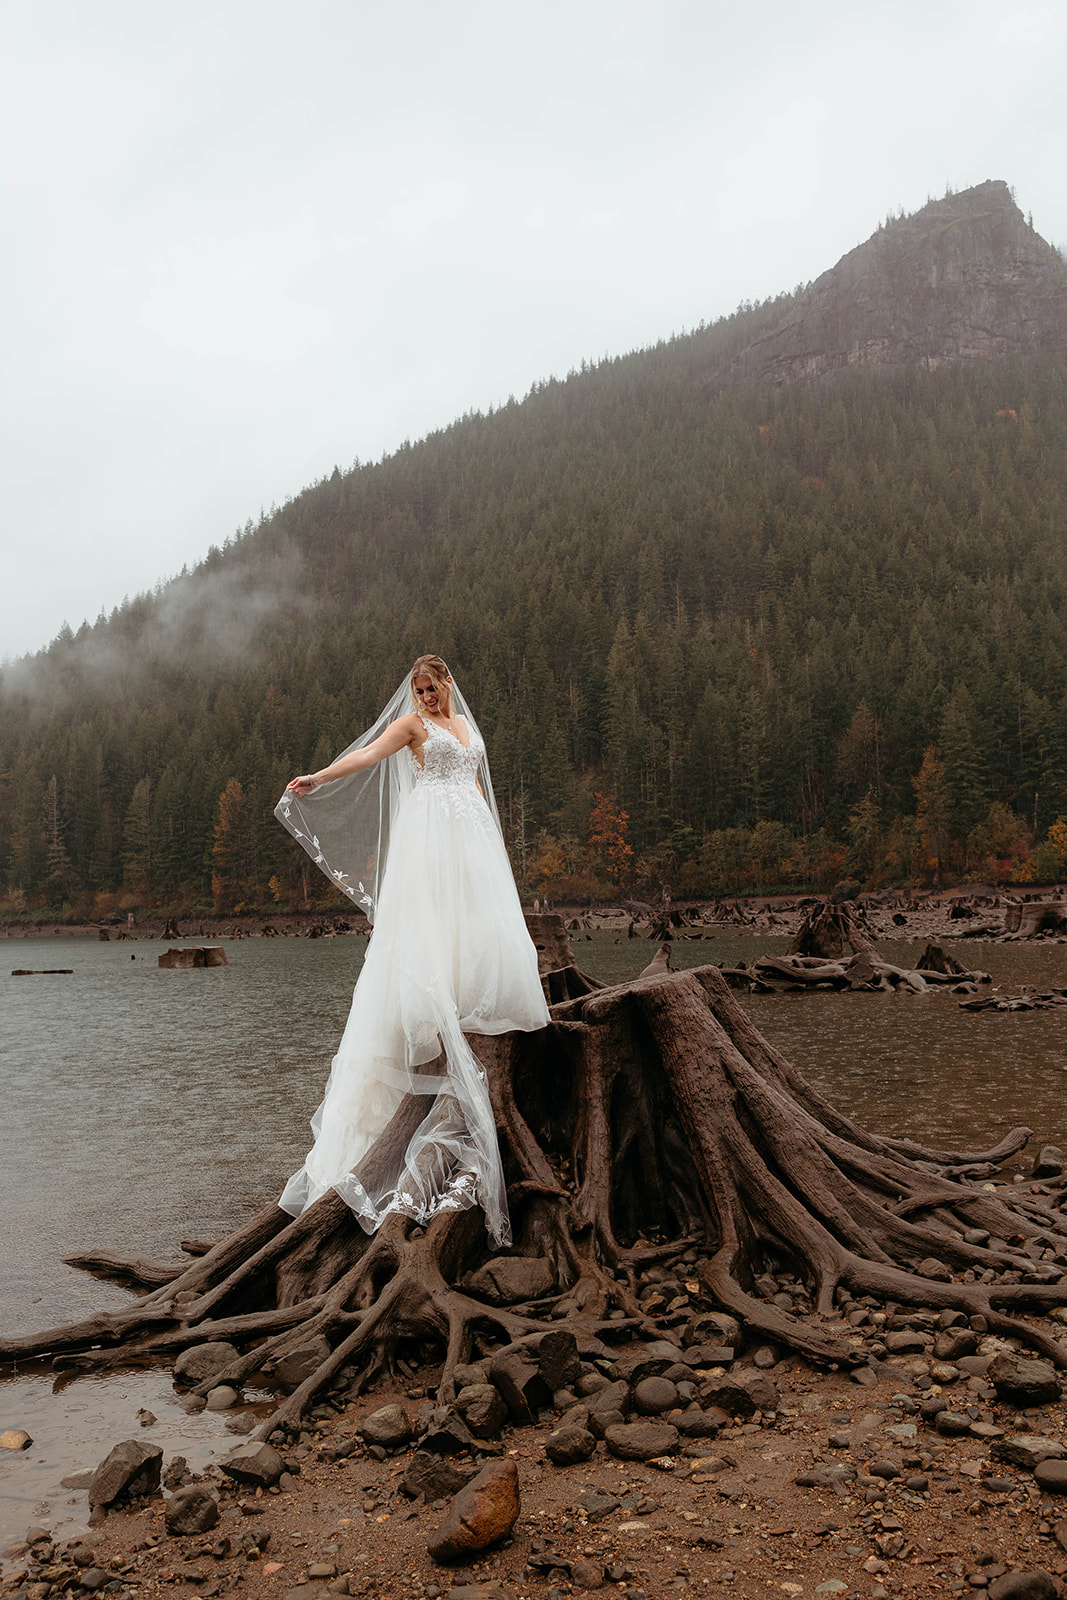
645 1119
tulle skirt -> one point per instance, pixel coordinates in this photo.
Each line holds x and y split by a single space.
450 954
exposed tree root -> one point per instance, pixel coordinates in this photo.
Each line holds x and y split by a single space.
645 1120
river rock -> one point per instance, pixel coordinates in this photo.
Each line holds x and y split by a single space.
389 1426
254 1462
905 1342
641 1441
482 1513
1027 1450
221 1398
612 1397
653 1396
432 1477
191 1510
506 1280
80 1479
1049 1163
1024 1383
131 1468
300 1364
952 1424
1051 1475
952 1343
567 1446
1036 1585
482 1408
202 1361
15 1439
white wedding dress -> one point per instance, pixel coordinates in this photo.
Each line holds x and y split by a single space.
450 954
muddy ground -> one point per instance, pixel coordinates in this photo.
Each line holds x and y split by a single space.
924 1514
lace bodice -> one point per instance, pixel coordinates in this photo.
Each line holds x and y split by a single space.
449 769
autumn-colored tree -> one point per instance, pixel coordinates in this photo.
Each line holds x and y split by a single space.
607 836
933 807
232 853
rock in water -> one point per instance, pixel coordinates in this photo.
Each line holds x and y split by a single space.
202 1361
131 1468
481 1514
15 1439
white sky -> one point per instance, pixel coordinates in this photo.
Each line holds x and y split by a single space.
246 240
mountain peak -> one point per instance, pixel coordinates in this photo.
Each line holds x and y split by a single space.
964 277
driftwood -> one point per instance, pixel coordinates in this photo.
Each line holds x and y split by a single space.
647 1119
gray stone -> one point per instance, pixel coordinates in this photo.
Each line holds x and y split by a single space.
506 1280
641 1441
653 1396
566 1446
300 1364
558 1361
448 1434
515 1373
432 1477
905 1342
613 1397
1025 1383
952 1423
389 1426
1036 1585
953 1343
78 1480
191 1510
131 1468
933 1269
596 1504
254 1462
1026 1450
482 1408
1049 1163
222 1397
202 1361
824 1477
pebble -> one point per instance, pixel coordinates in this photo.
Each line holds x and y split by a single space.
1051 1476
15 1439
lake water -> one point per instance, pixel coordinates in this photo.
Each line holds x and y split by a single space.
141 1107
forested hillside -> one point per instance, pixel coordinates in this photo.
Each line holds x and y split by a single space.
788 635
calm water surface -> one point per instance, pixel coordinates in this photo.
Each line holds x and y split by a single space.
142 1107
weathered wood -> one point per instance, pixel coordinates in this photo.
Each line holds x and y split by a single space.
191 957
646 1116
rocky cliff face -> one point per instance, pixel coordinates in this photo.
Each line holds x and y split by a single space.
964 277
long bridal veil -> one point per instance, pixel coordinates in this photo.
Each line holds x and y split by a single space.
346 826
449 954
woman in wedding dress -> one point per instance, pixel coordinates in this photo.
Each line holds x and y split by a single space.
404 822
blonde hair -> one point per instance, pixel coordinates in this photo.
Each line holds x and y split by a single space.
433 667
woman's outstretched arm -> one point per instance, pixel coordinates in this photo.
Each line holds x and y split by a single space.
399 733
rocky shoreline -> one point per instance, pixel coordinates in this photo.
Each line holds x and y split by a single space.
694 1462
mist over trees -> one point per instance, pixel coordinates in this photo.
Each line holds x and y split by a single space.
714 643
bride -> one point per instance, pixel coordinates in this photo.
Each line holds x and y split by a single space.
404 822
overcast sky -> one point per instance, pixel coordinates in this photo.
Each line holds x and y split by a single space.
247 241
